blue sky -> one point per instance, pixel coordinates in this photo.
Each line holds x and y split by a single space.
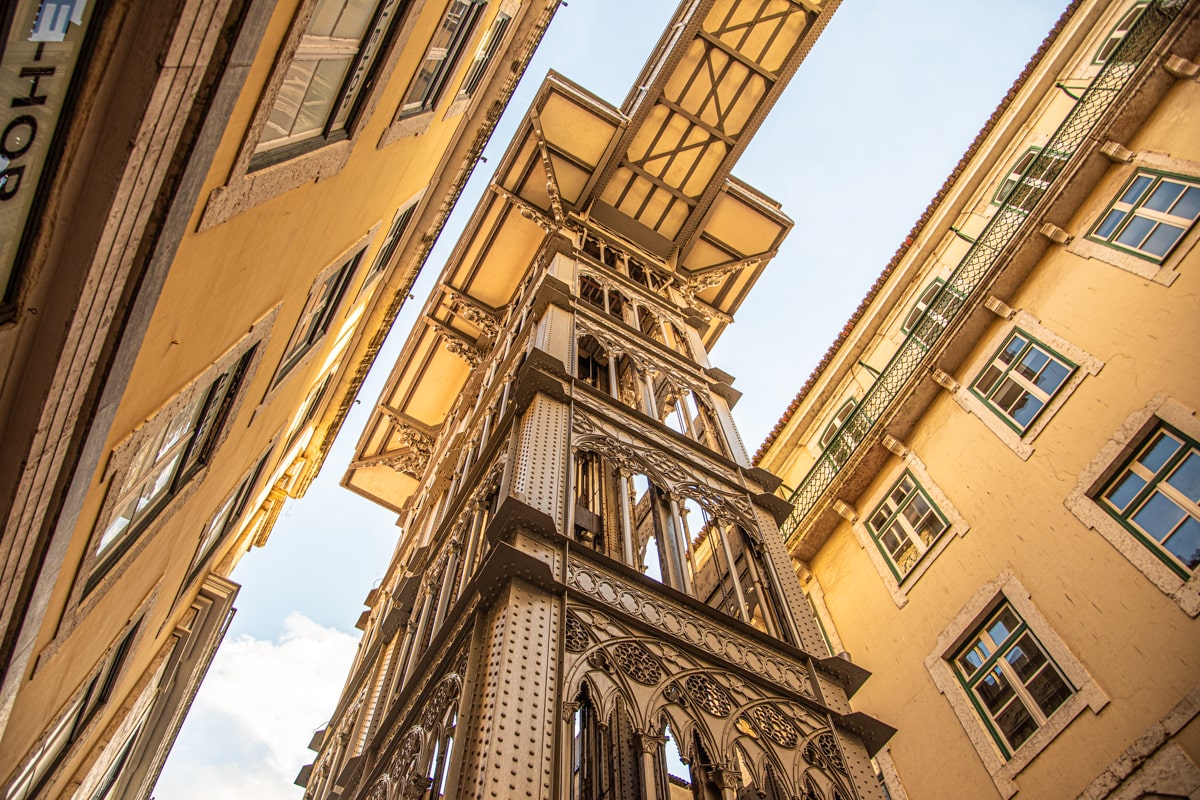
873 122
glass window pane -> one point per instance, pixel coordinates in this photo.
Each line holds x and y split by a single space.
1026 658
1105 228
1048 690
987 379
1015 345
1162 240
1163 196
1158 516
1188 206
1033 361
1016 724
288 101
354 19
1126 489
994 690
1135 231
1052 377
1139 185
1160 452
1185 543
322 94
1003 626
325 17
1186 477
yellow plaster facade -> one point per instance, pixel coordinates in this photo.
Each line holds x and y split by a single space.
1088 613
230 342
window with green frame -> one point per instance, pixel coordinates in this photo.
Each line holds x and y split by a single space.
906 524
1029 178
1118 33
838 443
1151 215
1021 379
1156 496
1012 682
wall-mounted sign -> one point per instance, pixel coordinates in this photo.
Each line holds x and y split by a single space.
41 52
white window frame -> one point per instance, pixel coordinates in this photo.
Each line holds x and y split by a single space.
956 525
1022 443
1007 588
1111 458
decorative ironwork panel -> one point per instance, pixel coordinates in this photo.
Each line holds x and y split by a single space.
636 662
709 695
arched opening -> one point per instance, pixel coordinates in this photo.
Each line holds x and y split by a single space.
591 361
591 292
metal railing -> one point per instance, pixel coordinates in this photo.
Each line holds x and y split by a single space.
983 258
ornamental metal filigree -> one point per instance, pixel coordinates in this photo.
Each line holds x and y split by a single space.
480 319
636 662
823 751
467 352
775 724
576 635
445 693
709 695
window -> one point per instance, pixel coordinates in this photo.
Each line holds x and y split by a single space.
483 55
58 740
226 519
1011 681
394 236
906 524
1029 178
442 56
323 301
1150 216
1021 379
333 65
1118 33
165 461
838 446
921 305
1156 495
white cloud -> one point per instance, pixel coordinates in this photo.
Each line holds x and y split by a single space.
248 731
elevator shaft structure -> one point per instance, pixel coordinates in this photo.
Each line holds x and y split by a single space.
591 598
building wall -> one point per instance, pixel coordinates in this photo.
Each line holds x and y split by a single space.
239 277
1021 511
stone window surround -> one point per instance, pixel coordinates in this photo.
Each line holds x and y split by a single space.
1006 587
79 605
1021 443
126 636
247 187
956 526
1164 272
344 307
1111 458
405 126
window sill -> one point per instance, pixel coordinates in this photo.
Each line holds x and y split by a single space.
405 127
248 190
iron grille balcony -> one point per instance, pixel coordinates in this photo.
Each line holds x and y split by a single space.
954 298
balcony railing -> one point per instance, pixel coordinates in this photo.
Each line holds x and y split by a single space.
983 259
